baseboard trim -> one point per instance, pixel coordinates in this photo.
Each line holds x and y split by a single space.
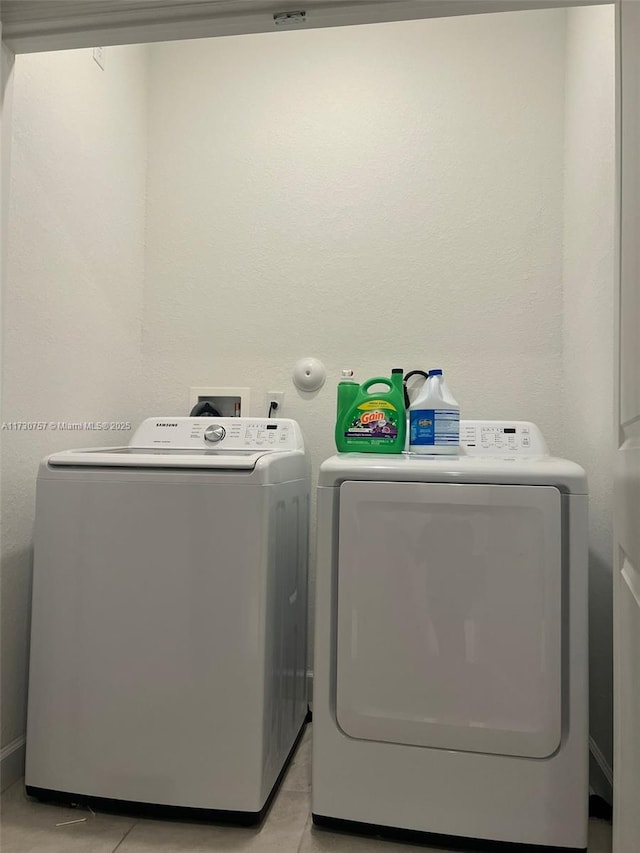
12 762
600 773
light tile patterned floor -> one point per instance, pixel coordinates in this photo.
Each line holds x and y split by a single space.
30 827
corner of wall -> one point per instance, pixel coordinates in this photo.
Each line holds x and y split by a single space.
6 100
12 756
600 773
588 292
12 762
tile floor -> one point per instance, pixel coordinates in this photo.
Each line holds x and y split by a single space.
30 827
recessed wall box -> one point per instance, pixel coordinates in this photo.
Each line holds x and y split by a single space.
229 402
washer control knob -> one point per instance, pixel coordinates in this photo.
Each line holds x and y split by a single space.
214 433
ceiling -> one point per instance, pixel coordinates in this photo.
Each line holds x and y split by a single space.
34 25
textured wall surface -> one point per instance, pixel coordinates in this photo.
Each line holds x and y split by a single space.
374 196
380 196
73 300
588 321
10 767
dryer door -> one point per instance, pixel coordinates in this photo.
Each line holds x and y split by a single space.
449 616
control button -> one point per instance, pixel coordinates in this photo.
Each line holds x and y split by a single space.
526 441
214 433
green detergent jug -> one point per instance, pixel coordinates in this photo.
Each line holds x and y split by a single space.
371 422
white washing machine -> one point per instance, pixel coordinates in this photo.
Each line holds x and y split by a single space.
169 617
450 678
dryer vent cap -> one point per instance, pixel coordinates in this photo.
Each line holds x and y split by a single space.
204 409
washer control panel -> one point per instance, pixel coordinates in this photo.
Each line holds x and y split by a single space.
224 434
502 438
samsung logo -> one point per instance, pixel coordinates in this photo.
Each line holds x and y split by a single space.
166 425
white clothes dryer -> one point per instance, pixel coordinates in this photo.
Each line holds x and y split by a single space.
450 677
169 617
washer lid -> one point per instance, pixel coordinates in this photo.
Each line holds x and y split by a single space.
214 443
159 457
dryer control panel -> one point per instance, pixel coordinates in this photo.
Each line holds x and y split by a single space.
225 434
502 438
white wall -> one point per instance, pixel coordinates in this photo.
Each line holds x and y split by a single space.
73 298
380 196
588 330
10 754
377 196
